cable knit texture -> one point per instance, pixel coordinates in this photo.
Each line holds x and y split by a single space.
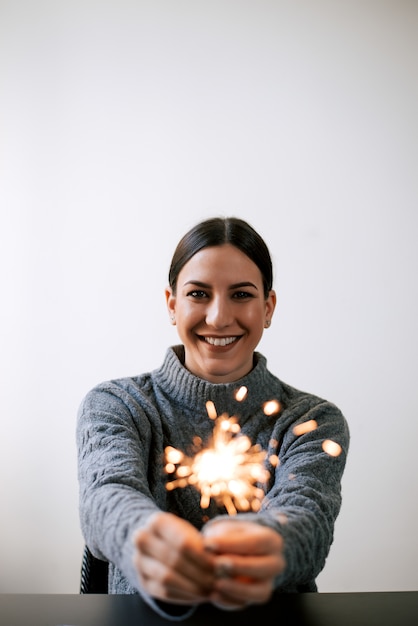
122 430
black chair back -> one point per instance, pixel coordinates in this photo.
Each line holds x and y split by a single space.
94 574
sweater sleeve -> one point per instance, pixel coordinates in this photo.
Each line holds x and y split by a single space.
114 494
115 472
305 497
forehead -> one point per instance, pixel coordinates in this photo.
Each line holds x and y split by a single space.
224 263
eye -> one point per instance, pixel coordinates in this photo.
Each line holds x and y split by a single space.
242 295
198 294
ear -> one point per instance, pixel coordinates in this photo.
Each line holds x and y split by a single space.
171 304
270 304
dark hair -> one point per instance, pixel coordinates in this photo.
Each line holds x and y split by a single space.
216 232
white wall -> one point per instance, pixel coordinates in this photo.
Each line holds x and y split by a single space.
125 122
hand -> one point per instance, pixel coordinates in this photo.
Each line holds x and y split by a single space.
172 562
248 557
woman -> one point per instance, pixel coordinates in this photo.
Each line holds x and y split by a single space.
159 542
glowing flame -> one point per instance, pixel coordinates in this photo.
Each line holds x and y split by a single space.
210 408
331 447
228 471
305 427
271 407
241 394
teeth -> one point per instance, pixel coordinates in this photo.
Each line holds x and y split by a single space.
216 341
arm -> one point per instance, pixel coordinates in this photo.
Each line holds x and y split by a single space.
122 495
115 497
305 498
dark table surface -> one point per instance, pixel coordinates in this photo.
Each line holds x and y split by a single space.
307 609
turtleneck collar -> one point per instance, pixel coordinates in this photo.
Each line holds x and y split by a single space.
193 392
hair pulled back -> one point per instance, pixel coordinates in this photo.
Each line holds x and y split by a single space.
217 231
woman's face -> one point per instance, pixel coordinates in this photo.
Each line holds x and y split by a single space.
220 312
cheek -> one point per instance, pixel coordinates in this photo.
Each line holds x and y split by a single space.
188 314
256 317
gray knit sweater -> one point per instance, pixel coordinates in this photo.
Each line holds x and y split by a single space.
124 426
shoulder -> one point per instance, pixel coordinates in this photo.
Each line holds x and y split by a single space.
128 391
324 416
297 405
131 390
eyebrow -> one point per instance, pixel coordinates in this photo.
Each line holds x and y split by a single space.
199 283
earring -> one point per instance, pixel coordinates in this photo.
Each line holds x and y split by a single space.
267 324
172 319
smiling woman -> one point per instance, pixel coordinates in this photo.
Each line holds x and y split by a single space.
177 547
221 297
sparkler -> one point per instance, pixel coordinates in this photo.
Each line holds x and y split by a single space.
228 471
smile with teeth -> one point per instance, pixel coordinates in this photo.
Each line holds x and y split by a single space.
220 341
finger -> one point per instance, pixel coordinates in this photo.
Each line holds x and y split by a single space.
182 536
235 592
249 567
242 538
166 584
170 568
152 545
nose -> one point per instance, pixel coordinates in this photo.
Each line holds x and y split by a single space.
219 313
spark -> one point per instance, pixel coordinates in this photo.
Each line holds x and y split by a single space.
210 408
282 518
331 447
241 394
305 427
228 471
271 407
274 460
